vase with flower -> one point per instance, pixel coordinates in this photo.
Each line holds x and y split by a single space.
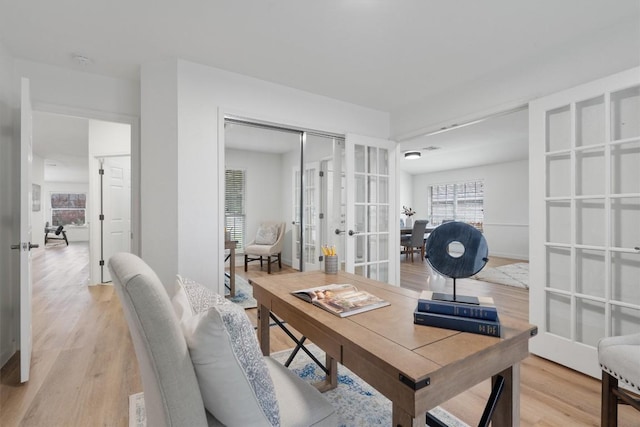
409 213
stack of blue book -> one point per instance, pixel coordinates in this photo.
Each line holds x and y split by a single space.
477 315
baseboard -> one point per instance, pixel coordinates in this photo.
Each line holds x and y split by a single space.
507 255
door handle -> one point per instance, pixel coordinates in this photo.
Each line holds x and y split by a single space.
29 245
351 232
338 231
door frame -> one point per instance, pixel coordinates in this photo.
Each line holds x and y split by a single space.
96 237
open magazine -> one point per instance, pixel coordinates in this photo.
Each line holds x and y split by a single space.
342 300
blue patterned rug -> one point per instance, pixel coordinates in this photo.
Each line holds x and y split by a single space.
244 293
357 403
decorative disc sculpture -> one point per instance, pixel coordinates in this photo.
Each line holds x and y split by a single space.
457 250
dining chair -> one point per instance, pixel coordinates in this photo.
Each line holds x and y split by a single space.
414 242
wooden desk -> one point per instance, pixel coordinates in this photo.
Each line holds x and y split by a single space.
231 245
416 367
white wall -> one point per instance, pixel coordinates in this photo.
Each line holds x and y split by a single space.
264 193
159 167
196 182
405 190
506 203
9 178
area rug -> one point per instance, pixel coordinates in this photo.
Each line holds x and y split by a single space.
511 275
244 293
356 402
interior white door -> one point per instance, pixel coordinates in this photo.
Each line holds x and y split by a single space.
585 218
372 230
116 208
26 144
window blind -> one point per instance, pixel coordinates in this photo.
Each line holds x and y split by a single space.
234 205
458 202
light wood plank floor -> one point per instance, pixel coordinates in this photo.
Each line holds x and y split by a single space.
84 365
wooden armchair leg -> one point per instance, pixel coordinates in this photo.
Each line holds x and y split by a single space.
246 261
609 409
269 264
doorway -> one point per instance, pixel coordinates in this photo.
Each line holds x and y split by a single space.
335 190
66 147
270 159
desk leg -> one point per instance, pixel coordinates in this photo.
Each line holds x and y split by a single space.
232 272
507 411
403 419
263 329
331 381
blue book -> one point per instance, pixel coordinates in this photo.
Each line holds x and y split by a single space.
485 309
463 324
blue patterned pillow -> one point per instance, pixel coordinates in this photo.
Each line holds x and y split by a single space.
234 379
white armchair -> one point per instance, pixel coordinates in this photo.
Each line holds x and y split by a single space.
267 244
177 391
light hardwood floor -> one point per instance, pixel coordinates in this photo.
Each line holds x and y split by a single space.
84 366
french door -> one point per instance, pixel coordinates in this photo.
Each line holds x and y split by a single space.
306 214
585 218
371 227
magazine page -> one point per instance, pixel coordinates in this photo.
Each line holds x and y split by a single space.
341 299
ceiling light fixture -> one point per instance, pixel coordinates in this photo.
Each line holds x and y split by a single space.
411 155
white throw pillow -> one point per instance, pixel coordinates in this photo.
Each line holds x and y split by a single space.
180 302
267 234
234 380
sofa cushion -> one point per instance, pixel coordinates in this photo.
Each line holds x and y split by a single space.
232 374
267 234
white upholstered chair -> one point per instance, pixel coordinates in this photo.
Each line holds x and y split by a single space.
172 392
267 244
619 359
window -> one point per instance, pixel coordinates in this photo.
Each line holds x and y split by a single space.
68 209
459 202
234 201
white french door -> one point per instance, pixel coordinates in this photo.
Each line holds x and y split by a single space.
309 228
585 218
371 226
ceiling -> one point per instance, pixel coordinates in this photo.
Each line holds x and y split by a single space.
499 139
63 143
384 55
